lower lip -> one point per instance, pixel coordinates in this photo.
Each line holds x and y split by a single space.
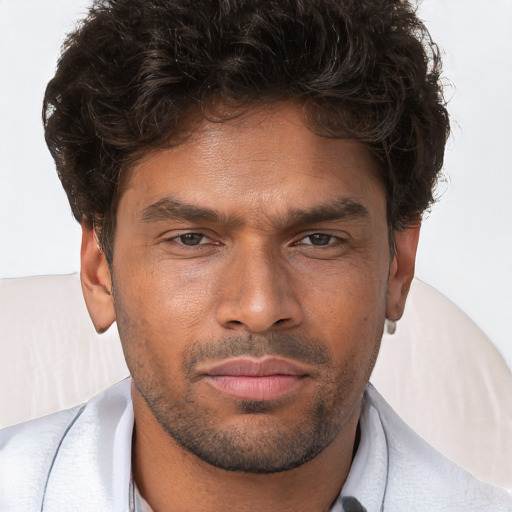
255 388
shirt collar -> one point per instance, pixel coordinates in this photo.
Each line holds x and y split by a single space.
93 460
365 487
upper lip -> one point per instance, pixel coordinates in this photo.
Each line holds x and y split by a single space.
251 367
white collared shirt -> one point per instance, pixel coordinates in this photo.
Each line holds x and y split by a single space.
80 460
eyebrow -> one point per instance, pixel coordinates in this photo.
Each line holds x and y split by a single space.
170 208
340 209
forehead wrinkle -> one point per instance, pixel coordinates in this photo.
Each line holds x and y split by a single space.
170 208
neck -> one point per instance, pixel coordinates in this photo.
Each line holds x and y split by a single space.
172 479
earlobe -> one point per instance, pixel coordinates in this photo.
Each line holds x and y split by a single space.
401 271
96 280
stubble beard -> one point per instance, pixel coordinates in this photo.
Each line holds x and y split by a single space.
260 442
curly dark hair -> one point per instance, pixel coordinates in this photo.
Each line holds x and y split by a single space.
134 70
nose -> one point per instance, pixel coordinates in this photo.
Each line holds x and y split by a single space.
257 294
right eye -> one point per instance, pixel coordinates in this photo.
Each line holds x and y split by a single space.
318 239
191 239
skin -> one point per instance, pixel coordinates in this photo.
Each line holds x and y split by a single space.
254 239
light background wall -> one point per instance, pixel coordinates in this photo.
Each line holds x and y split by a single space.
466 244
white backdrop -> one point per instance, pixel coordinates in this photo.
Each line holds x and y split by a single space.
466 244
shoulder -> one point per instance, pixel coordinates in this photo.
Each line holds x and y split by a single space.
35 453
422 479
27 452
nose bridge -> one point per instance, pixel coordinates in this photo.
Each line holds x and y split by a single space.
257 292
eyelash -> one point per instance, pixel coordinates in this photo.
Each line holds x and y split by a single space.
337 240
176 239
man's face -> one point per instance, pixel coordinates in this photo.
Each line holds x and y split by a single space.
250 276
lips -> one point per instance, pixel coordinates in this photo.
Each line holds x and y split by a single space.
255 379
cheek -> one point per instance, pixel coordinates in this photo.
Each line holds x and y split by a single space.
169 297
161 313
347 309
351 293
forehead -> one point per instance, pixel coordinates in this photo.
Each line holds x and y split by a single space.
265 161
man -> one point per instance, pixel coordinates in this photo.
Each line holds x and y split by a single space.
249 177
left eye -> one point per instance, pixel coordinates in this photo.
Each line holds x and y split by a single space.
318 239
192 239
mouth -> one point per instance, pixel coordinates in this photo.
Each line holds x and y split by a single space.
255 379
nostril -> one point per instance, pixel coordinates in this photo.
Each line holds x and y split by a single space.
235 323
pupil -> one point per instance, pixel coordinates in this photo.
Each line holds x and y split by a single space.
320 239
191 239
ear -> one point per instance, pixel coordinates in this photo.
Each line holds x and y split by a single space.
96 280
401 271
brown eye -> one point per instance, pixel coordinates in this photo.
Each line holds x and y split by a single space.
191 239
319 239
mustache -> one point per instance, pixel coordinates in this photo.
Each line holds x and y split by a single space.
278 344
